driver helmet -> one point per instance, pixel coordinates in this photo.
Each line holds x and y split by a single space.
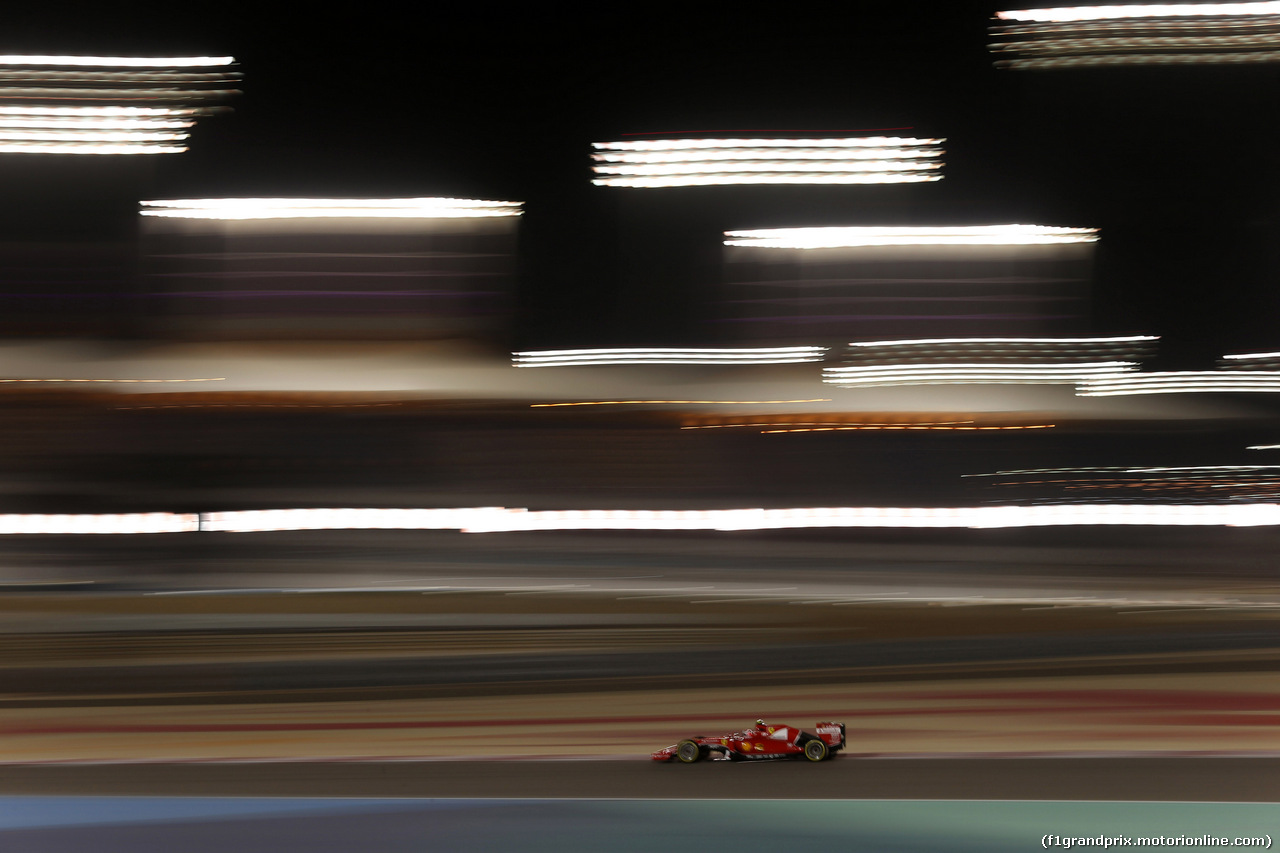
759 724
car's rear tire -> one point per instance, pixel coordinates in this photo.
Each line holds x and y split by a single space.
816 750
688 751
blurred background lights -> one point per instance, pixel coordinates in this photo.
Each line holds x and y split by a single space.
852 237
994 361
1210 33
972 374
1256 361
1183 382
1173 10
107 104
668 355
310 208
705 162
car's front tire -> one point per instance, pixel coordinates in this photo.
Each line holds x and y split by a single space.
816 750
688 751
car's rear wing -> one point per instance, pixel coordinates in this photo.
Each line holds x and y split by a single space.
832 733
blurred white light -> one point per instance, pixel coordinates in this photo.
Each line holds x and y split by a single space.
1047 341
853 237
88 148
715 168
63 108
248 521
58 112
1144 59
845 142
59 135
1100 13
711 162
502 519
1184 34
714 155
885 517
1183 382
1125 469
89 123
120 61
676 402
151 522
1254 355
972 374
125 381
347 208
796 177
668 355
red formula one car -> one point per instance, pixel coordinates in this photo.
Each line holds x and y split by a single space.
759 742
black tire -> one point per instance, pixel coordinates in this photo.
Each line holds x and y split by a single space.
816 750
688 751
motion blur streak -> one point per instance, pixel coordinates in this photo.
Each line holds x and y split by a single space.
148 522
707 162
856 236
1038 342
1098 13
89 148
842 424
676 402
120 61
662 355
1251 361
1222 33
501 519
904 426
125 381
306 208
94 126
1183 382
971 374
349 519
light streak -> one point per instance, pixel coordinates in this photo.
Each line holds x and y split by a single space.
848 142
668 355
1263 447
49 525
842 424
60 112
208 379
864 236
1101 13
503 519
1046 341
1259 361
1167 59
61 123
768 178
1181 34
676 402
78 135
906 426
88 148
1125 469
949 374
1183 382
61 105
347 208
711 162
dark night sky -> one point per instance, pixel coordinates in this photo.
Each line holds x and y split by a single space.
1176 165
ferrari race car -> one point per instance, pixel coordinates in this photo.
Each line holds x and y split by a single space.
759 742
